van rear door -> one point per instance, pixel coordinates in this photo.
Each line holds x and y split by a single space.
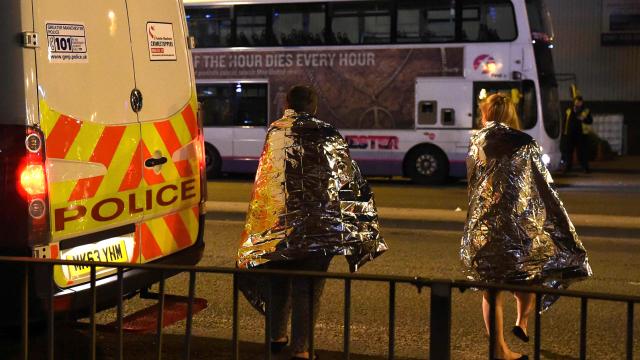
85 77
170 131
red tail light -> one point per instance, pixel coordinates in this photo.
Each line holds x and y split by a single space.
32 184
24 216
32 180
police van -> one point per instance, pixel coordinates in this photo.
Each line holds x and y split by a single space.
101 154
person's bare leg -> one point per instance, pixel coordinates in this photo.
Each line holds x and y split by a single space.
281 307
525 305
502 350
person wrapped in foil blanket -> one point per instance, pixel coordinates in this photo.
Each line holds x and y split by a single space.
309 200
517 229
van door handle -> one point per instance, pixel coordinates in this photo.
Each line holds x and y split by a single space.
151 162
136 100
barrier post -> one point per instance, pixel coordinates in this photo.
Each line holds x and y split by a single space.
94 299
347 319
50 314
234 321
630 305
160 316
268 312
392 319
25 312
583 328
192 294
120 314
440 339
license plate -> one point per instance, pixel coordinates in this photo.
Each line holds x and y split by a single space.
104 251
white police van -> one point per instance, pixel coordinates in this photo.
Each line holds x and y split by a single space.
102 156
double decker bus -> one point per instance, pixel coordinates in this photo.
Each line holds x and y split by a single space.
401 79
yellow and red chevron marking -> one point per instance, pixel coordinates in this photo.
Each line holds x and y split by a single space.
103 154
105 163
166 235
71 139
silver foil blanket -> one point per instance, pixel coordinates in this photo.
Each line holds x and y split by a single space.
517 229
309 199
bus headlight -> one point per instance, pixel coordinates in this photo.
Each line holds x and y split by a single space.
546 159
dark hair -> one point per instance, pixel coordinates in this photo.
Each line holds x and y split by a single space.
302 99
578 98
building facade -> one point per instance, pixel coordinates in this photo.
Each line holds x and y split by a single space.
598 42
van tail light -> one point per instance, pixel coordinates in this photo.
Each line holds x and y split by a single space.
24 214
32 186
201 161
32 180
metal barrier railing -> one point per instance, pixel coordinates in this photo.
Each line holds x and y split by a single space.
440 318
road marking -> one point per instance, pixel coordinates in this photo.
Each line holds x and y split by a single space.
391 213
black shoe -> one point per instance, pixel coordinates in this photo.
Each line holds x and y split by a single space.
278 346
519 333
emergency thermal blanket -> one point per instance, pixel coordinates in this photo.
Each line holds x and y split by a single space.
517 230
309 199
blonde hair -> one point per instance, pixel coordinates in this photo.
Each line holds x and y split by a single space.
500 108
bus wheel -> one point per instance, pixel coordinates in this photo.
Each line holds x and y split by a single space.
212 160
427 165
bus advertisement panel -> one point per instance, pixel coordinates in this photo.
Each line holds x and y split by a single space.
357 88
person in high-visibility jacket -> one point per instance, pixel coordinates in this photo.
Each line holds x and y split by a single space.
577 125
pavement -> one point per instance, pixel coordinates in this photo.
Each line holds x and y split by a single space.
619 175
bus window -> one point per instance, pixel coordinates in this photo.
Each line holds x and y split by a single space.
251 26
488 21
448 116
361 23
551 113
298 24
523 95
529 115
233 104
210 27
427 112
425 22
539 20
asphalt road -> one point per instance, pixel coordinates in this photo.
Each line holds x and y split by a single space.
416 249
434 254
607 198
426 253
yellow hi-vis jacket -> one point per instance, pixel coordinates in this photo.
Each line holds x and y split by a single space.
584 115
